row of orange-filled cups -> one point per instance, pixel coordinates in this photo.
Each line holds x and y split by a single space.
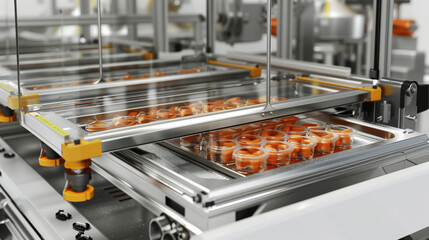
276 143
142 117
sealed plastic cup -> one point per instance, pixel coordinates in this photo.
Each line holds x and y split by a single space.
303 147
325 141
346 135
250 159
279 152
274 135
221 151
294 130
250 140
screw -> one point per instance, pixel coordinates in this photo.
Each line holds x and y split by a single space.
412 90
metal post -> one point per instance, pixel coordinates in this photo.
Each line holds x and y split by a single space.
85 10
100 42
268 107
284 29
382 39
211 25
132 28
160 20
54 7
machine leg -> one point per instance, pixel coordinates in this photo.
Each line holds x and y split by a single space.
78 175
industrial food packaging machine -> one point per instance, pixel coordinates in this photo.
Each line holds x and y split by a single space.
137 145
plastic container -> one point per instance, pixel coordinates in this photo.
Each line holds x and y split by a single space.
99 125
196 108
225 134
325 141
294 130
250 140
250 160
274 135
279 152
271 124
291 120
346 135
251 102
221 151
303 147
251 129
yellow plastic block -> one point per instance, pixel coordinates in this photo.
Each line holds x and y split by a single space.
4 119
26 99
83 151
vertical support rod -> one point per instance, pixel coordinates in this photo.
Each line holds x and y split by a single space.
18 66
85 9
100 42
54 7
160 20
132 28
268 106
382 39
211 25
284 29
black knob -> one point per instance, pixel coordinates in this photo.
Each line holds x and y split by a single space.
80 236
9 155
2 149
81 227
62 215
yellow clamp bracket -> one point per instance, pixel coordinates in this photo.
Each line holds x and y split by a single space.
26 99
255 71
72 152
146 54
375 93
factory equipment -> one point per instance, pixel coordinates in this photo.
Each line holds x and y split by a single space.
174 147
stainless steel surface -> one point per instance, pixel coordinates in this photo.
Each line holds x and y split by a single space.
37 192
285 29
220 198
160 19
294 65
100 43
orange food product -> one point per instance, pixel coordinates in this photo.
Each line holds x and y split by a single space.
159 74
279 152
145 76
221 151
273 99
185 111
99 125
303 147
294 130
229 105
196 108
345 135
133 114
127 77
212 107
291 120
325 141
250 159
142 118
250 140
225 134
187 71
273 135
165 114
234 100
